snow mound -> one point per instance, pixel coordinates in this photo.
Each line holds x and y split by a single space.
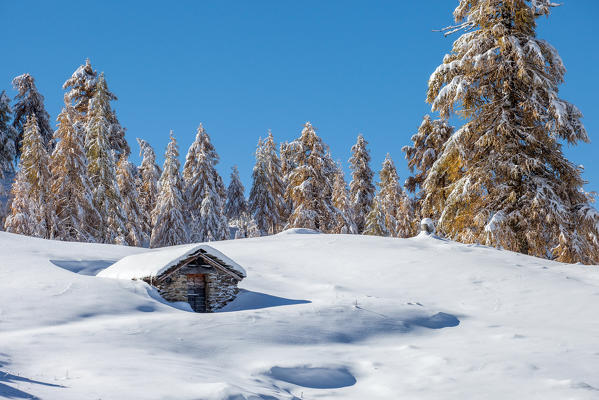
299 231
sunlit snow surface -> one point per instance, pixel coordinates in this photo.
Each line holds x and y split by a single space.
319 317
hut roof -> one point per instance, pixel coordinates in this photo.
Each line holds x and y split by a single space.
156 261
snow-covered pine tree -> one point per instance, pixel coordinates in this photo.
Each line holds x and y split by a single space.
34 171
8 154
204 191
76 216
340 197
267 201
169 226
395 205
288 164
125 176
516 188
147 187
236 206
20 218
81 87
427 145
310 184
102 169
361 188
8 138
29 101
375 220
260 202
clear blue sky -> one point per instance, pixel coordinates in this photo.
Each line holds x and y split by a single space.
242 67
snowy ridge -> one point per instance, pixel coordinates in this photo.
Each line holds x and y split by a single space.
154 262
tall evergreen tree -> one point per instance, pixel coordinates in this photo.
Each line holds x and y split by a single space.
21 218
375 223
8 154
361 188
76 216
147 187
8 138
236 206
169 226
310 184
394 204
261 202
35 187
28 102
125 177
102 169
81 88
427 145
516 188
204 191
287 153
267 201
344 216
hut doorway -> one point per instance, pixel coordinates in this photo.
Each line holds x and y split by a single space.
196 292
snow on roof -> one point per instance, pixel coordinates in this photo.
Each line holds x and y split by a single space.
156 261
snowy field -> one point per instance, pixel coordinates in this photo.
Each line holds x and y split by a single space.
320 317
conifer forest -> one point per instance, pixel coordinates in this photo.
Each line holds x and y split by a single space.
499 179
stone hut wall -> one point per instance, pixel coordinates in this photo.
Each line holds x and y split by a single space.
221 289
176 289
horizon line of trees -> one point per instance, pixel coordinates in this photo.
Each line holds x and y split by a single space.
76 183
500 179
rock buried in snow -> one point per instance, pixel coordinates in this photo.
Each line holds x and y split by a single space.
427 226
314 377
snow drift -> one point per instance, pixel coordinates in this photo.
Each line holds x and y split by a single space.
319 316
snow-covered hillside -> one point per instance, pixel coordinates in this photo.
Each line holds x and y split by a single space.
321 316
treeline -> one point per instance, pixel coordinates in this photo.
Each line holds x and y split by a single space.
500 179
76 183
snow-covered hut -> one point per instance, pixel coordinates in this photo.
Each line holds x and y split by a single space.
198 274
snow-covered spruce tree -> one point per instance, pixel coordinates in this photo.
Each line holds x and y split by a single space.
147 187
376 225
310 184
102 169
35 173
395 205
516 189
277 183
169 226
8 154
344 214
125 177
267 201
260 201
427 145
287 153
28 102
20 218
204 191
76 216
361 188
236 206
81 87
8 138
